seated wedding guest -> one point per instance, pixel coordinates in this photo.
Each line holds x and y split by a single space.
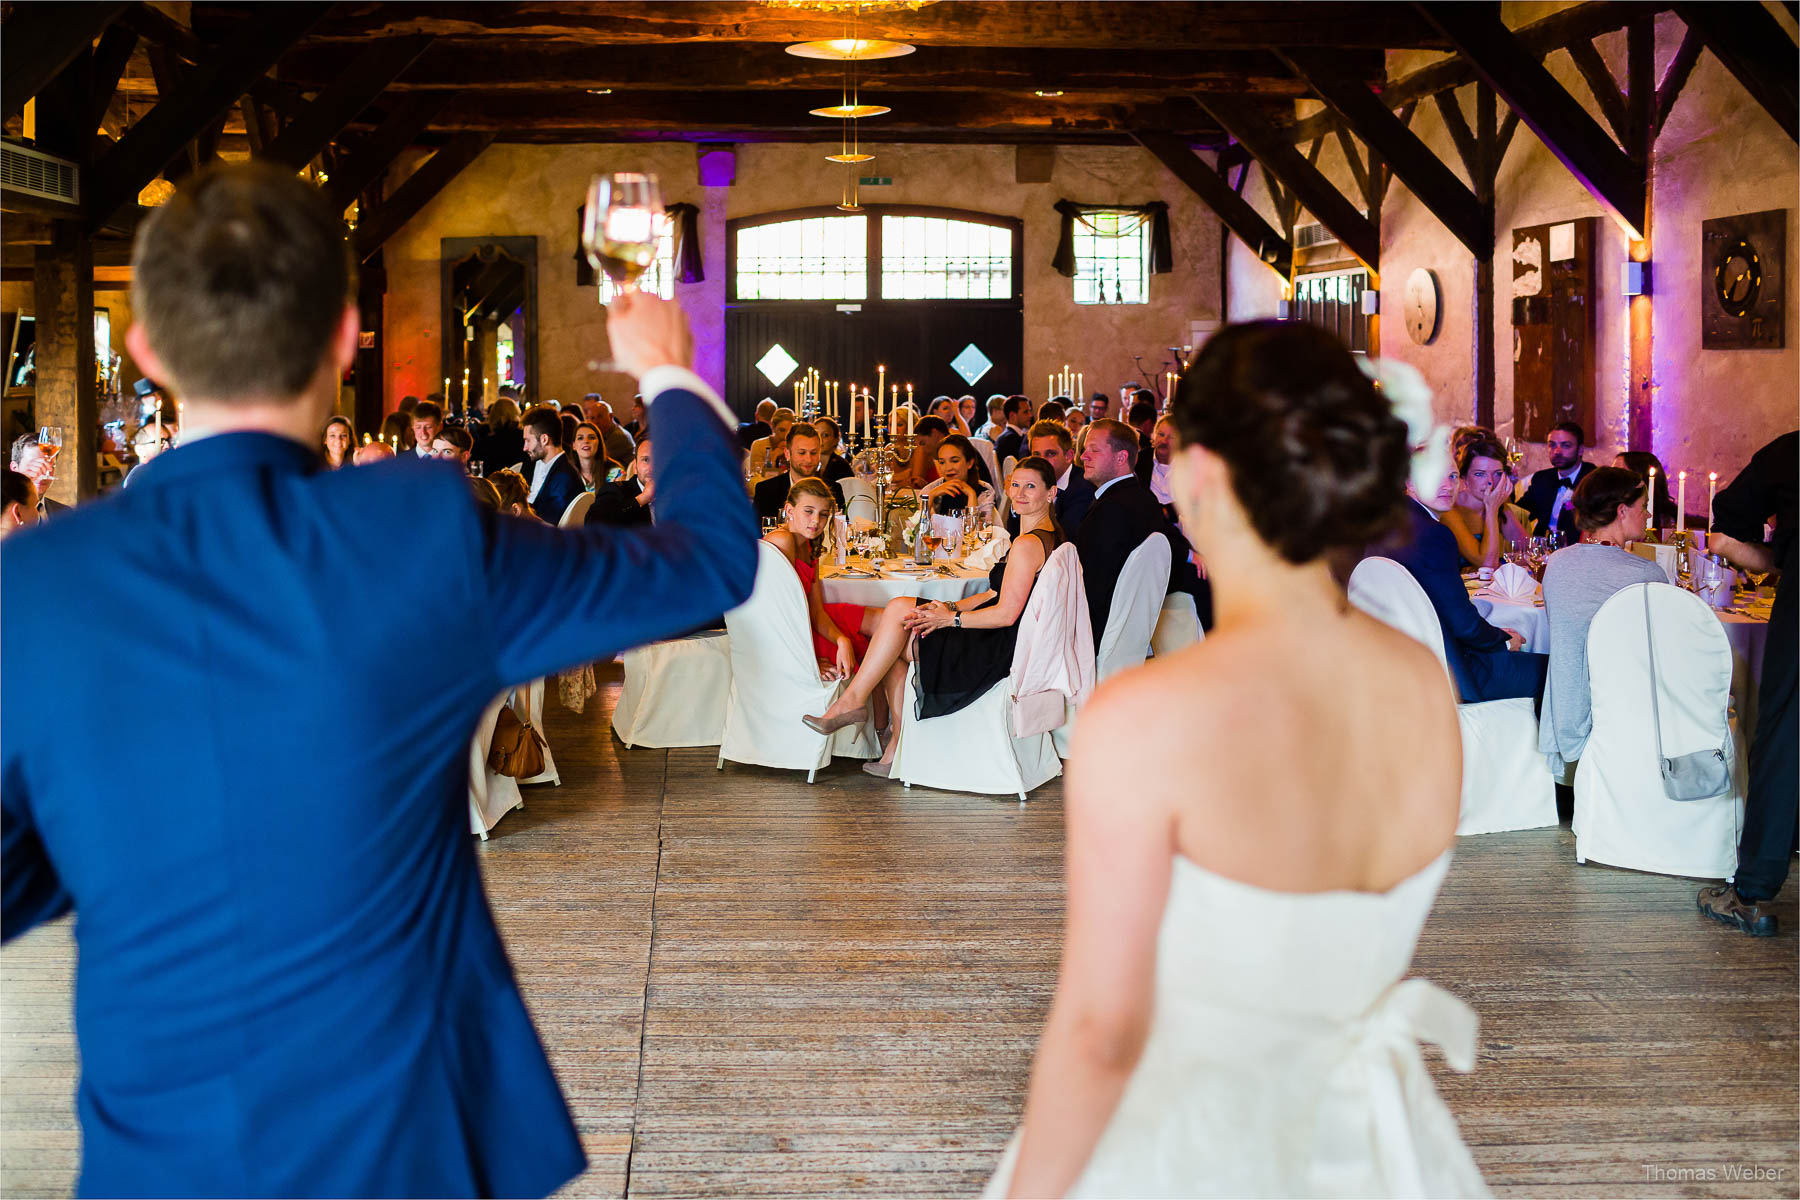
1011 442
626 501
427 419
1054 409
750 431
1462 435
1162 451
1643 462
1075 420
1100 407
1051 442
1610 509
1485 661
485 495
396 431
1141 416
619 445
504 445
921 468
1122 515
151 441
639 425
29 460
374 452
591 462
554 480
763 457
803 458
840 631
338 442
514 494
1484 519
996 422
407 404
453 445
834 466
947 411
963 648
1547 499
966 409
959 487
570 423
18 503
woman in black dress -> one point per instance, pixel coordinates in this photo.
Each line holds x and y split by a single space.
964 648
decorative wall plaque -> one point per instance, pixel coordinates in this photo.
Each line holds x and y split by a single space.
1743 304
1421 306
1553 326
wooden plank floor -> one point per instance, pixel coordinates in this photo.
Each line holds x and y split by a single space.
749 986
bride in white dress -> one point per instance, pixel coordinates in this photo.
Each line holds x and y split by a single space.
1257 828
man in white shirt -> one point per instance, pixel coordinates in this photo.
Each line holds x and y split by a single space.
554 479
1548 497
1162 447
427 423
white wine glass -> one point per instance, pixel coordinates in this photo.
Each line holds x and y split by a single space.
620 225
50 440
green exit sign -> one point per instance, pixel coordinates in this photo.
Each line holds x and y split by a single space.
877 181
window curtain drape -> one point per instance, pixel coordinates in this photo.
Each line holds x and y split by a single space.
689 266
1162 251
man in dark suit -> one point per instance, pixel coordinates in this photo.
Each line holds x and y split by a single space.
290 981
750 431
29 460
1052 442
1550 495
1141 416
1012 440
803 460
554 479
1486 662
626 502
1122 515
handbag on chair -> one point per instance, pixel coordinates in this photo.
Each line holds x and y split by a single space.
517 749
1697 776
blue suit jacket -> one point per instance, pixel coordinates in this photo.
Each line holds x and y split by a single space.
561 485
289 980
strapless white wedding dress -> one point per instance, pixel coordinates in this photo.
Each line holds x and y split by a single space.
1283 1058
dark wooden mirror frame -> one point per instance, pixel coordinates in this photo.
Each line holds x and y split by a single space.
453 252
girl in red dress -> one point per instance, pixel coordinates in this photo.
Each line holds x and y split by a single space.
840 631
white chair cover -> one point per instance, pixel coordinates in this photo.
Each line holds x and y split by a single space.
859 498
491 794
775 680
528 702
1622 816
974 749
1006 468
985 448
675 692
1177 626
1137 602
1505 783
576 513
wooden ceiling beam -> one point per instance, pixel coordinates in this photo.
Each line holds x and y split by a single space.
111 56
382 223
1299 177
1138 24
369 159
1758 52
1599 78
510 65
1424 174
205 96
1233 210
159 29
41 40
345 98
1557 118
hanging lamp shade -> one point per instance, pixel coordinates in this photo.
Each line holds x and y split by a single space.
849 158
845 112
850 49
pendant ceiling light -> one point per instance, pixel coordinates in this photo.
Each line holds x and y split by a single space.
850 49
845 112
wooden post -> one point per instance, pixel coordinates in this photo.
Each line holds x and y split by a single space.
1642 113
370 365
63 296
1486 167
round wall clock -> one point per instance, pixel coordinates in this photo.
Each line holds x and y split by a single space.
1421 305
1737 277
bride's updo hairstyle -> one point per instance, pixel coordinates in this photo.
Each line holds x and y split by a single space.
1317 457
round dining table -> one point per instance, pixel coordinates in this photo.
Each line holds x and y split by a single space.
873 584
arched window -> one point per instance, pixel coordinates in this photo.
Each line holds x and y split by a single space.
889 252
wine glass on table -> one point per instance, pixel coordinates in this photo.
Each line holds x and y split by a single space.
620 225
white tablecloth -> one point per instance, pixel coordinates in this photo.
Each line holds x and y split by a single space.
1526 619
874 593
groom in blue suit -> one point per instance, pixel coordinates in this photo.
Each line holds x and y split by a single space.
289 980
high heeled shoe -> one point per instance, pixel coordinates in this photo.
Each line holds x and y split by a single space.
830 725
881 770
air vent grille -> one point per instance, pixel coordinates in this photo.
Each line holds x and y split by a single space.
1312 234
38 174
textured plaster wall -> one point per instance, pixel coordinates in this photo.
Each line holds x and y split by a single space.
1718 154
535 190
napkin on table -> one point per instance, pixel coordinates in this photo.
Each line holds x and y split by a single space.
983 558
1512 584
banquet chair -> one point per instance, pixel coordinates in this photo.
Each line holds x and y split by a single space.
976 749
1006 468
491 794
1177 626
674 692
985 448
775 680
1136 605
859 498
1622 816
576 513
528 702
1505 782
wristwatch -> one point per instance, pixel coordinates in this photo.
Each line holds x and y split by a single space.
958 613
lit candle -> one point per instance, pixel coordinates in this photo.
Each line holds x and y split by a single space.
1651 523
367 438
880 385
1080 384
1712 490
909 399
1049 385
909 422
865 412
1681 502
